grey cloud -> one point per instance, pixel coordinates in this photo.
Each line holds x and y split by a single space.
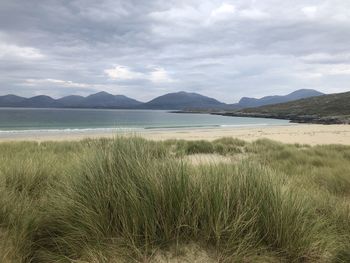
224 49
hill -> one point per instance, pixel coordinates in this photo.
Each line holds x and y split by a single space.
10 100
98 100
71 101
105 100
326 109
246 102
182 100
40 101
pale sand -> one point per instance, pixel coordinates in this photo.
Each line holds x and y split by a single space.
300 133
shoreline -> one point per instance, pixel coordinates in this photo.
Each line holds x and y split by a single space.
292 118
312 134
306 119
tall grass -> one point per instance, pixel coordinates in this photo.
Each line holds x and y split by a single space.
122 200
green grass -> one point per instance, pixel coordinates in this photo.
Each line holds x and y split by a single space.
326 109
126 199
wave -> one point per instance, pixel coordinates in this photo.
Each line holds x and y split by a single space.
69 130
132 129
246 125
257 124
183 126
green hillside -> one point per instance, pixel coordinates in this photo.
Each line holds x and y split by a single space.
328 109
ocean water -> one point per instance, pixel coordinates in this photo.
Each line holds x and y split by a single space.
20 120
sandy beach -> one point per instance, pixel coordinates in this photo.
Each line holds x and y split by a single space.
299 133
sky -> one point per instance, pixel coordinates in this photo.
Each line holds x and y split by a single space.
143 49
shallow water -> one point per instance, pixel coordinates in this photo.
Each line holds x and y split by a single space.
19 120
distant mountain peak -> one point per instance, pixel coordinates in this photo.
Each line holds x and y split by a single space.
42 97
306 90
103 93
246 102
183 92
10 100
181 100
100 94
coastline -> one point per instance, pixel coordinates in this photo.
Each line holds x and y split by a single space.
312 134
293 118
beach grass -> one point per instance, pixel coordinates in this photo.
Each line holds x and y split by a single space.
133 200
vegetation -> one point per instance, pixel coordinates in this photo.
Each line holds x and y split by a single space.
328 109
129 200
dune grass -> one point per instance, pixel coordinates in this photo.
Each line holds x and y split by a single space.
129 200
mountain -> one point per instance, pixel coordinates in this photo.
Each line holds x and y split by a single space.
10 100
182 100
105 100
98 100
327 109
246 102
40 101
71 101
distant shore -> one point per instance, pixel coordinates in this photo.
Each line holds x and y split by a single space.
293 118
312 134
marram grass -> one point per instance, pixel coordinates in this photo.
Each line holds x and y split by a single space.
127 199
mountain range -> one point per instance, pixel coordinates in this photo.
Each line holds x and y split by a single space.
171 101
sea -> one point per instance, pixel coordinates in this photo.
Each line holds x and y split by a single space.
25 120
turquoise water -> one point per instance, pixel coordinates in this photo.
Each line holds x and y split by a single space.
20 119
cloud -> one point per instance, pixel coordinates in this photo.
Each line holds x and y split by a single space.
254 14
310 11
222 48
160 75
187 13
157 75
11 50
59 83
223 12
322 72
123 73
326 58
343 69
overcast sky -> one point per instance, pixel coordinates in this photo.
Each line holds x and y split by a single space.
142 49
